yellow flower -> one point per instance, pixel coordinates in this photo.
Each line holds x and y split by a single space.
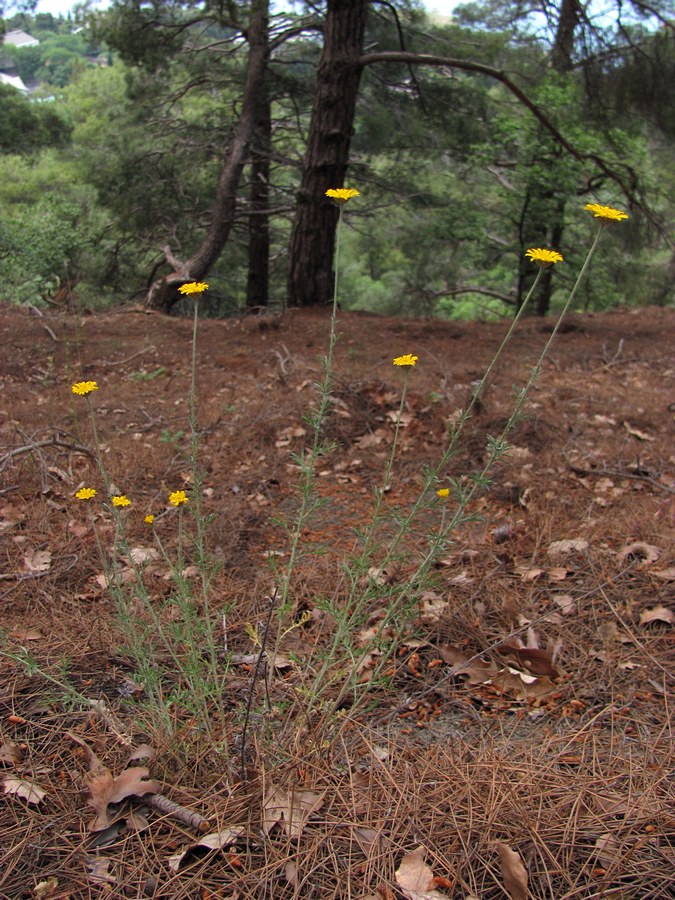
407 360
443 493
121 500
606 212
194 287
178 497
342 195
85 493
149 519
84 387
544 257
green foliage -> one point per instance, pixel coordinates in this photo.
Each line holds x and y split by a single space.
26 126
468 177
39 247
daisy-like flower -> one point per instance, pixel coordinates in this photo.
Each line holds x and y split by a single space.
443 493
82 388
606 212
85 493
194 287
544 257
149 519
121 500
407 360
178 497
342 195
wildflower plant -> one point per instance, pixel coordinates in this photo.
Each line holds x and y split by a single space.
179 645
196 663
338 675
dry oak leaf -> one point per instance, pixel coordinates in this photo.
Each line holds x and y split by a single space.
657 614
10 753
530 659
214 841
561 548
648 553
38 560
415 878
45 889
289 809
666 574
513 873
105 789
27 790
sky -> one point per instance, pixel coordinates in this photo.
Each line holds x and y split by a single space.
57 7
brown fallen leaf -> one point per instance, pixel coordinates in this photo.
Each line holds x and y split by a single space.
607 849
291 872
657 614
10 753
432 607
99 870
513 873
368 840
45 889
563 548
289 809
635 432
502 679
531 659
105 789
26 633
27 790
215 841
566 603
38 560
415 878
648 553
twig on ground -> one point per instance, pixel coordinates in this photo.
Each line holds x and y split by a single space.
176 811
37 445
120 362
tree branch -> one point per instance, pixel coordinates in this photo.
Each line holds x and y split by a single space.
424 59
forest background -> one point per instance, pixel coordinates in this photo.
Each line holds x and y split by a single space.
162 142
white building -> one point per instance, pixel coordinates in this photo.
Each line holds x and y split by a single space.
13 81
18 38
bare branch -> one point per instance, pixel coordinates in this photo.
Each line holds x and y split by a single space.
424 59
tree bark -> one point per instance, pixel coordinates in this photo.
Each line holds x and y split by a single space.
310 277
163 293
257 286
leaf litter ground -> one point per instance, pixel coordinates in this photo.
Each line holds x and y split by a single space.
522 746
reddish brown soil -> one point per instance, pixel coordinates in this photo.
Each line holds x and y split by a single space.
594 460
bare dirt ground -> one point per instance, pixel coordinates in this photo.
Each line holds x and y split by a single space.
524 738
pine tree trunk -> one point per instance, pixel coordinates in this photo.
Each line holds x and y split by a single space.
163 293
310 277
257 286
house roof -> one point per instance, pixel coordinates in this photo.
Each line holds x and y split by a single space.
18 38
13 81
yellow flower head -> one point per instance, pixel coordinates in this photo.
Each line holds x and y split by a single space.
121 500
544 257
342 195
85 493
178 497
82 388
149 519
606 212
194 287
443 493
407 360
